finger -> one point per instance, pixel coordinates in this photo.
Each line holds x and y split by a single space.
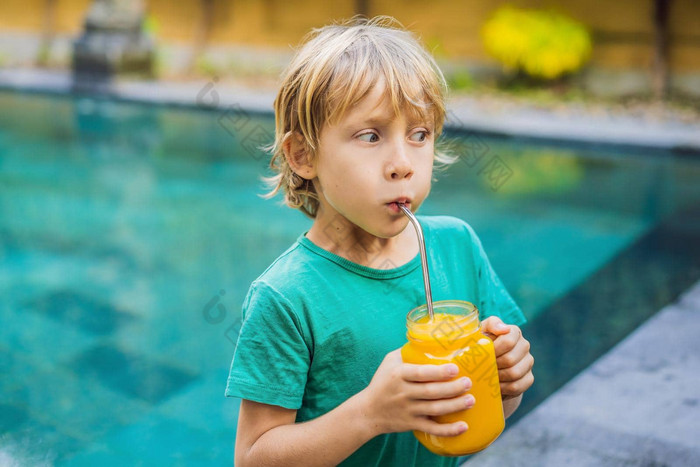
515 388
444 406
394 356
418 373
494 326
512 356
504 343
517 371
442 429
442 390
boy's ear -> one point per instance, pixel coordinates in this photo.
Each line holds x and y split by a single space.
298 155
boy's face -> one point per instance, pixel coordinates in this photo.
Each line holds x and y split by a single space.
369 158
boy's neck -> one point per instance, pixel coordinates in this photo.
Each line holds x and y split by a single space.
361 247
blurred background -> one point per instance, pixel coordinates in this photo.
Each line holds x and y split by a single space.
131 222
627 49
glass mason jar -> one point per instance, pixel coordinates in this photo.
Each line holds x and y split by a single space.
453 337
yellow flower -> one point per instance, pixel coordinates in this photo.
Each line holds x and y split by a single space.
544 44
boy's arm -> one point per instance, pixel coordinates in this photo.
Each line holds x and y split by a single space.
267 435
400 397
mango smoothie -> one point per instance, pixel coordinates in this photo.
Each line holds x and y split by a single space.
453 337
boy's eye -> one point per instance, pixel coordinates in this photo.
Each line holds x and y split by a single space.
422 136
369 137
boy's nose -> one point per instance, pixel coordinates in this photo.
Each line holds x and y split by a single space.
399 166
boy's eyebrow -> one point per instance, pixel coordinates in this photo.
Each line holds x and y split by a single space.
383 120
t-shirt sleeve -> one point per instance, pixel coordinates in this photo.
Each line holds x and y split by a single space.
271 360
494 299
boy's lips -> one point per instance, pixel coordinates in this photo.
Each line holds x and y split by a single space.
394 205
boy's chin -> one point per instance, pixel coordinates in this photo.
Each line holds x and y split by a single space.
391 229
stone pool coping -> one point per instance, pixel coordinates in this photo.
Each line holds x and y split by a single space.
638 404
465 113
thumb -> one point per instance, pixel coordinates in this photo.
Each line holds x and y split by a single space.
494 326
394 356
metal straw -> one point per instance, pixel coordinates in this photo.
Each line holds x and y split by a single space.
423 257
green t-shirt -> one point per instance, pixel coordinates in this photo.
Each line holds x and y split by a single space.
316 326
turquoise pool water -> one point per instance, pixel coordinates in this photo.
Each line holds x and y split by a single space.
129 235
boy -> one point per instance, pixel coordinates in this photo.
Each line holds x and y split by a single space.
318 364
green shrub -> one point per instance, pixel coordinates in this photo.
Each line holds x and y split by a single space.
206 66
543 44
150 25
459 80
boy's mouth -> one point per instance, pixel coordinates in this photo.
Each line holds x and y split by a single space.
394 205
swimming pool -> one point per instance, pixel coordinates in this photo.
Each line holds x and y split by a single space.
129 235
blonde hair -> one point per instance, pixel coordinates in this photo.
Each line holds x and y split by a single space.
336 67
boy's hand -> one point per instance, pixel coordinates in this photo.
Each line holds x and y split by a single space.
513 357
401 397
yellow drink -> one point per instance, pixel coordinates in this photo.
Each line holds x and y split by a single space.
453 337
